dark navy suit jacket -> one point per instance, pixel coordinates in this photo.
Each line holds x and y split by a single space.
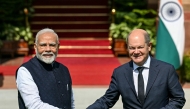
163 88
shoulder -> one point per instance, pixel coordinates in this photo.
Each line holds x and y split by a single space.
124 66
161 66
127 67
29 62
160 63
22 72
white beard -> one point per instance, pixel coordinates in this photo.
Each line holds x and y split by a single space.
45 59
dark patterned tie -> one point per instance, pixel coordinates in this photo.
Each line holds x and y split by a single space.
140 85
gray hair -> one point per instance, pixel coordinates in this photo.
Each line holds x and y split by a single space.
146 36
46 30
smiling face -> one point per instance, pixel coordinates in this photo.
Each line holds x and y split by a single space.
138 48
47 47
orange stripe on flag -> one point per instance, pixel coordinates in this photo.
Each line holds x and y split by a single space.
180 1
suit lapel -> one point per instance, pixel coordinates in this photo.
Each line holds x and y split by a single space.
129 76
153 73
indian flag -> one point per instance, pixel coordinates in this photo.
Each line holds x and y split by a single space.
170 33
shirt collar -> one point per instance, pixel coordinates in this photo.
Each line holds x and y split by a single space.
146 64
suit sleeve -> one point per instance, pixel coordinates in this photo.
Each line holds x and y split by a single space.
109 98
176 93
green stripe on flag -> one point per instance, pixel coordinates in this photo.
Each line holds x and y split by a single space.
165 47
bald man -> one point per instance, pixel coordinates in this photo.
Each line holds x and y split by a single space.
144 82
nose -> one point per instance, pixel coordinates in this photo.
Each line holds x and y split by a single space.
47 48
136 51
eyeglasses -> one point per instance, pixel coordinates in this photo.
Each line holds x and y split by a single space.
44 45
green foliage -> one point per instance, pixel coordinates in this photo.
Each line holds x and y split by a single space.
12 11
119 31
185 69
14 21
16 33
144 19
138 18
132 14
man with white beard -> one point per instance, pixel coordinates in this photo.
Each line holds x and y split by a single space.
42 82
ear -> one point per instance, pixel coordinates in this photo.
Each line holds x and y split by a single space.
35 46
149 46
58 46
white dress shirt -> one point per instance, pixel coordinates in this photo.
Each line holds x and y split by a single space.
30 93
145 74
